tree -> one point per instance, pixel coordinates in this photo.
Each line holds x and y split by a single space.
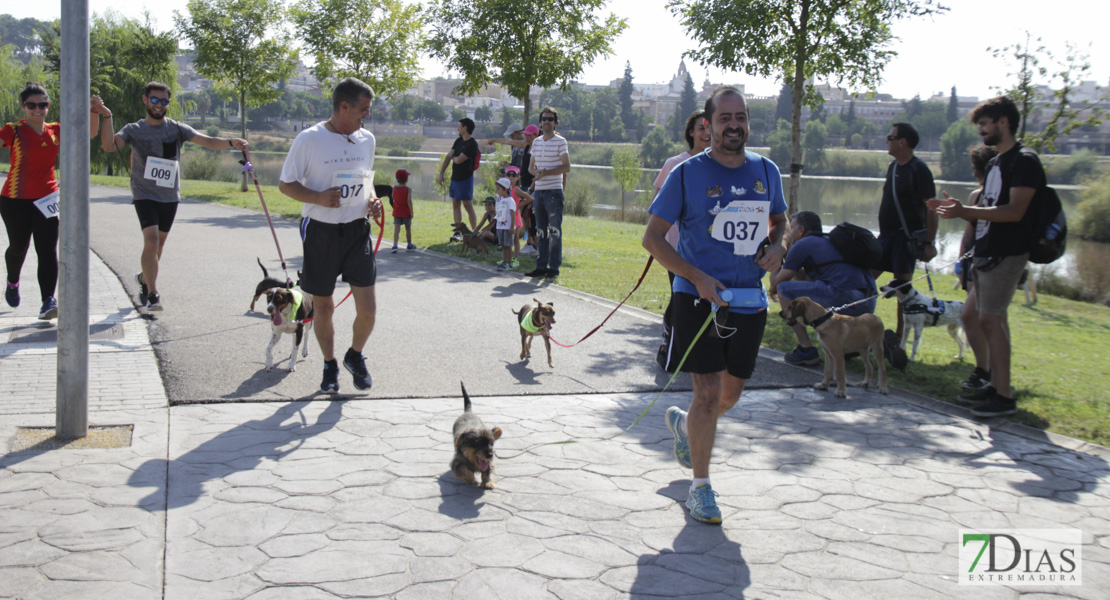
836 126
816 137
1024 92
850 117
23 35
954 144
430 110
798 40
404 108
550 47
656 147
1067 115
625 95
785 103
627 170
483 114
242 47
458 114
14 75
687 104
953 113
377 41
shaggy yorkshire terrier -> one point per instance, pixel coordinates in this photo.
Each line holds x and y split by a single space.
473 446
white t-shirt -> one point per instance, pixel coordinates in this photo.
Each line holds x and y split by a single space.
505 208
320 159
548 154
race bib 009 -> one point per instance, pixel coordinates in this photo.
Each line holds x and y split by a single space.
48 205
743 224
161 171
355 186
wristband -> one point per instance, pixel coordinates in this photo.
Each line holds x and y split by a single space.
230 145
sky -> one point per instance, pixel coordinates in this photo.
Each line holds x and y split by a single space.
934 53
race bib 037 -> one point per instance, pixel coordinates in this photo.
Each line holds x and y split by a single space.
743 223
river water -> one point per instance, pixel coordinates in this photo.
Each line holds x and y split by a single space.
836 199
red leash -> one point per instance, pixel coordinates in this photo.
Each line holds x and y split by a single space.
647 267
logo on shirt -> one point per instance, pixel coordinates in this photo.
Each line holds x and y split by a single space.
739 191
714 191
759 189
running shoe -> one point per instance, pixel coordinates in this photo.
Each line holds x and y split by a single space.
983 395
355 363
11 295
979 380
142 289
330 384
537 272
411 247
394 251
806 357
996 407
49 309
674 417
153 301
702 503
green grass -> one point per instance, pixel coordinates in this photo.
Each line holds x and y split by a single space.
1060 367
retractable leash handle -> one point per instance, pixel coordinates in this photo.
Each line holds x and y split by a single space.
249 169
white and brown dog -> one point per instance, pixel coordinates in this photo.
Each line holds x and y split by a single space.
288 309
840 335
920 311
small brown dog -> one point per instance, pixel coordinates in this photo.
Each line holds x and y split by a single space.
533 321
473 446
288 310
839 335
469 240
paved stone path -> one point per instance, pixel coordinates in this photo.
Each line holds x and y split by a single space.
822 498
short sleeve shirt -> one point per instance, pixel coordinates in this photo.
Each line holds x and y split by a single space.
159 141
914 183
318 157
464 170
722 214
1017 167
548 155
505 208
33 157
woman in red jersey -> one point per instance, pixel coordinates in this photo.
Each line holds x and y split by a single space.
29 198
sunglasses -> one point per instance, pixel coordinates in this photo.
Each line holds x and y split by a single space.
891 138
162 101
513 174
547 119
38 105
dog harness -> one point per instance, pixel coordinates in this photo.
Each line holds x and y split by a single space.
529 325
297 299
934 310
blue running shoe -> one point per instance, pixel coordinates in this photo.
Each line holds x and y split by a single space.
675 415
355 362
11 295
702 503
806 357
330 383
49 309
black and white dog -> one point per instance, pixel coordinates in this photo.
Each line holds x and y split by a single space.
288 310
920 311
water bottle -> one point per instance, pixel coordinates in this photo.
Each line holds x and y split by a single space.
1052 231
725 295
960 268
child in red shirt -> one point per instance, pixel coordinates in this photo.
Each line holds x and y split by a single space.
402 209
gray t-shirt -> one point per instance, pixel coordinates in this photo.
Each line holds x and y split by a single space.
163 142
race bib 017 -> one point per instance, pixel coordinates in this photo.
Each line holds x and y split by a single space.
161 171
743 224
355 186
48 205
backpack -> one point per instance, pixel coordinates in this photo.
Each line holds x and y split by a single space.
1049 226
859 247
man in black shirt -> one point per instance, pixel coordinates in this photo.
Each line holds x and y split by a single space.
1003 235
462 158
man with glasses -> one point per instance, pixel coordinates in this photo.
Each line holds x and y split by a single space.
155 183
550 163
907 230
330 168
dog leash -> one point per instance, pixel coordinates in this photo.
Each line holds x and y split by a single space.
930 279
249 169
910 282
647 267
677 370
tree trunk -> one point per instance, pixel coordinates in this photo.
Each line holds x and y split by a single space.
527 104
243 131
796 112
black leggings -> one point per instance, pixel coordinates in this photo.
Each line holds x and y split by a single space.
24 221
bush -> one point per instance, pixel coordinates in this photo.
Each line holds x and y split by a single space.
204 165
955 165
846 163
1093 214
212 131
412 143
397 152
1073 168
578 199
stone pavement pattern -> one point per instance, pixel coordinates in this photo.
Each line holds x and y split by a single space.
822 498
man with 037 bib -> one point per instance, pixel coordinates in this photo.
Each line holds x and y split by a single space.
730 212
330 168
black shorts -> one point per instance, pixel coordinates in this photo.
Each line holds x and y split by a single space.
155 214
897 259
332 250
736 353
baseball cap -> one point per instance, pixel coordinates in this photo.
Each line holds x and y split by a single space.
489 200
512 169
505 183
401 175
512 128
531 130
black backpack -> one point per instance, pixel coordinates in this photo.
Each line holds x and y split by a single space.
858 246
1049 227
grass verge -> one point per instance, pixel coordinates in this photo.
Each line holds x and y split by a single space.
1060 370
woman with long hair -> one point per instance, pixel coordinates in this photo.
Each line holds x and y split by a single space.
29 198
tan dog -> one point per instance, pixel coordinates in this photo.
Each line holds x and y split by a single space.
840 335
470 241
533 321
